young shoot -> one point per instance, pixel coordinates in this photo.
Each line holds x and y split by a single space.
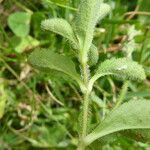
131 115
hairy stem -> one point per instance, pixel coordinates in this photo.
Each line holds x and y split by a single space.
86 94
85 114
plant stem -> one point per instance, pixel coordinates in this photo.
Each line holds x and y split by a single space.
86 94
85 114
122 94
143 45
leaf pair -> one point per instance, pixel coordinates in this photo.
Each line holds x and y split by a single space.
81 35
63 28
122 68
45 59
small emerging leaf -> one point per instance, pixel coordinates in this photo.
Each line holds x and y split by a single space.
93 55
47 60
134 114
90 11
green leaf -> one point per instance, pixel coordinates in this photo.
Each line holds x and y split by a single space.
19 23
144 7
87 17
47 60
22 44
147 70
93 55
122 68
37 18
138 135
60 1
59 26
134 114
52 136
2 99
86 21
138 94
104 10
142 135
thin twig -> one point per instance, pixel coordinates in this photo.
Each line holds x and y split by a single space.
133 14
122 94
137 13
63 6
52 96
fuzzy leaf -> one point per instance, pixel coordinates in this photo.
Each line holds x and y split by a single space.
93 55
104 10
134 114
59 26
46 60
90 11
122 68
